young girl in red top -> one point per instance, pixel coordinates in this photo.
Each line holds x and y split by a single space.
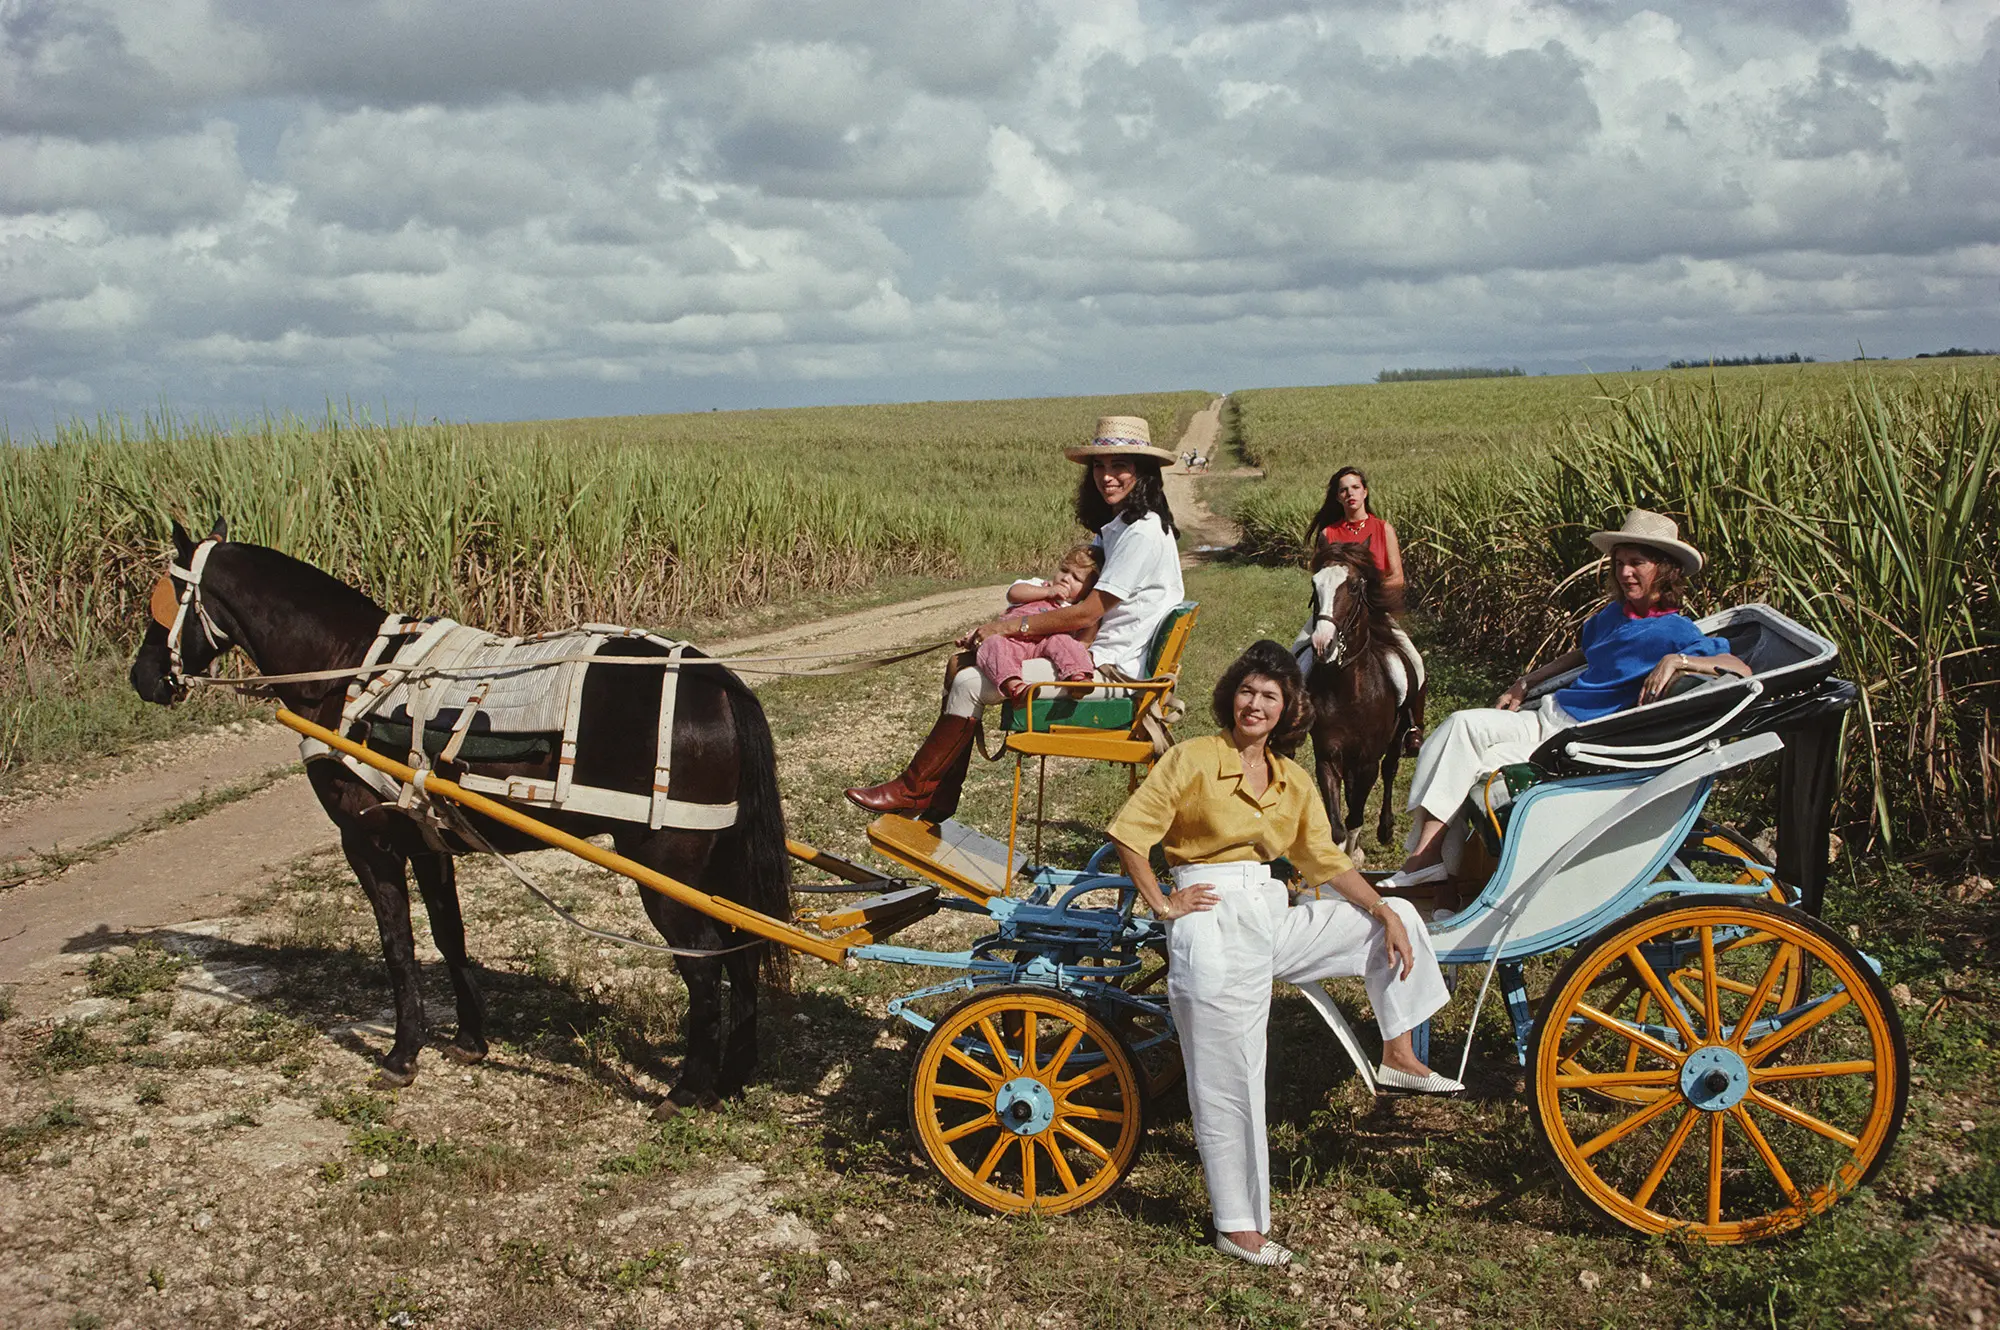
1347 517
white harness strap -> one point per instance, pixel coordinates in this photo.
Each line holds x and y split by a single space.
436 670
190 598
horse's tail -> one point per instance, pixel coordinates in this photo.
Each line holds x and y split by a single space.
760 824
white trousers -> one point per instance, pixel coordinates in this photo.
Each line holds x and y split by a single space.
970 690
1221 964
1471 743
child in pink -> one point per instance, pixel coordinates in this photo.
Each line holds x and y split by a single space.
1000 656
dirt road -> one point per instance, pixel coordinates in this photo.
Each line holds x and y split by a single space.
163 841
154 851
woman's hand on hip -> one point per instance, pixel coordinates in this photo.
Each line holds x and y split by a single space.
1189 900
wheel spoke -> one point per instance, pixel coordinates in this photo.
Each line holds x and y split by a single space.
1028 1169
1030 1025
983 1073
969 1094
1711 999
1762 995
1582 1037
1778 1038
1062 1165
992 1160
1675 1016
1082 1079
1802 1118
1715 1121
1063 1050
1806 1071
1682 1130
999 1047
1083 1139
1091 1114
1589 1080
1769 1156
1639 1037
1631 1124
964 1130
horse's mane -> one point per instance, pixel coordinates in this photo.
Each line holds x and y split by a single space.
316 583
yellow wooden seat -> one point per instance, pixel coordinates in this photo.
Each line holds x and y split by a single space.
1044 734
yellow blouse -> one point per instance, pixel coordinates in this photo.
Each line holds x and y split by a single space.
1196 806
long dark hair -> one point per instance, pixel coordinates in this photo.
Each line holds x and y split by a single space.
1267 658
1149 495
1330 509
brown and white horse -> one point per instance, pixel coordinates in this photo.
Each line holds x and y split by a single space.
1352 670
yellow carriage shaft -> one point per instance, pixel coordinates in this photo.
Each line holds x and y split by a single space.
715 907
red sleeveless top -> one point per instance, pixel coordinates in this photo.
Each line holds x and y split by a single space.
1373 533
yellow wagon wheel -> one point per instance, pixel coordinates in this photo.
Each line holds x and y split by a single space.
1762 1113
1024 1100
1749 871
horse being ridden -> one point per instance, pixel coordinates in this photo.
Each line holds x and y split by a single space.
290 617
1352 671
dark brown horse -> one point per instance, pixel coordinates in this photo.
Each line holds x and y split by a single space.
1358 725
289 617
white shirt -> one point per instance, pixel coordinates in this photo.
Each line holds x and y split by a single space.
1143 569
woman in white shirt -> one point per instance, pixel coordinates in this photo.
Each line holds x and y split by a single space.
1121 497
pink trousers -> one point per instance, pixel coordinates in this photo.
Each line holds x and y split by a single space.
1000 658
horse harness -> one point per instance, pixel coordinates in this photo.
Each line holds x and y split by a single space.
170 607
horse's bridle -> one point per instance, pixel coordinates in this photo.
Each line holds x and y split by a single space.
1345 637
170 610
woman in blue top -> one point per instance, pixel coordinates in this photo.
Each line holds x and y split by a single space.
1632 652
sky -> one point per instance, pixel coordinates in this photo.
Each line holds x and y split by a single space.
512 209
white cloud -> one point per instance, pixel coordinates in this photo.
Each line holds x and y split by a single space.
513 208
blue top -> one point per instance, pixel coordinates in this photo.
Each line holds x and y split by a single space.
1620 651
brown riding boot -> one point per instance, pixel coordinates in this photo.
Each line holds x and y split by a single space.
933 778
1413 738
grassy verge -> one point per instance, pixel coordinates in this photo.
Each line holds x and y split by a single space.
175 1163
666 521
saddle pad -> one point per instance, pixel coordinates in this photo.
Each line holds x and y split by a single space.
518 694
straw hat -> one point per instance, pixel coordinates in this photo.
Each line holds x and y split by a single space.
1654 531
1119 436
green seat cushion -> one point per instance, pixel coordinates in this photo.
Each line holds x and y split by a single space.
1111 713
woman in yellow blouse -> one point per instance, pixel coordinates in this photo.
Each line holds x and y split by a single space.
1223 807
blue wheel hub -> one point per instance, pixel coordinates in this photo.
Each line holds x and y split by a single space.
1715 1078
1025 1106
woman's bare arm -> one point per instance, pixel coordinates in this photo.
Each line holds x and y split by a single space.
1188 900
1672 667
1517 692
1066 619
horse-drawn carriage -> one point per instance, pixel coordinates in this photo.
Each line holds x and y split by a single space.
1699 995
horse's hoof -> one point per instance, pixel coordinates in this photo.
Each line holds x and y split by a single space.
464 1057
386 1079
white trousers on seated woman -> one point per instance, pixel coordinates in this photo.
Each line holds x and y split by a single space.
1471 743
970 689
1221 964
